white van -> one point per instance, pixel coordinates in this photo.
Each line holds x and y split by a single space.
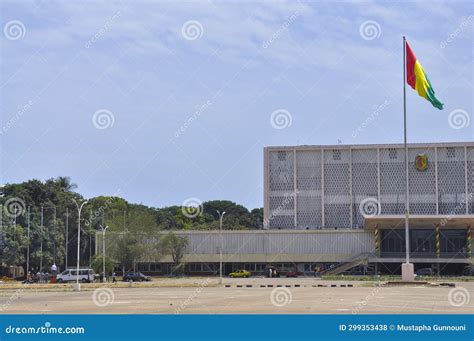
69 275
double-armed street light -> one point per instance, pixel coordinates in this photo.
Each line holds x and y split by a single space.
221 216
77 287
103 248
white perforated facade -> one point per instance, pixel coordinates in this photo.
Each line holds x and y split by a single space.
311 187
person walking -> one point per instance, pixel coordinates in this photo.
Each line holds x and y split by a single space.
114 277
54 272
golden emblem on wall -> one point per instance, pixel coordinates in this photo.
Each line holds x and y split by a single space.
421 162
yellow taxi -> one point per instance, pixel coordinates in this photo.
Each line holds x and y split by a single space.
240 273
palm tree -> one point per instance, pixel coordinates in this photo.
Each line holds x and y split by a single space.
64 183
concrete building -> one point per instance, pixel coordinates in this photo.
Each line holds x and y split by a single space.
341 208
336 186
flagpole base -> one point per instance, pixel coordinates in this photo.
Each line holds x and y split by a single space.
408 272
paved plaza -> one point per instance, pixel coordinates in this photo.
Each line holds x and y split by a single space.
240 296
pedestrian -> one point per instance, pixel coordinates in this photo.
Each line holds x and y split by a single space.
101 276
54 269
114 279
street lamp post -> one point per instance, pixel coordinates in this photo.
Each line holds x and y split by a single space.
54 234
67 237
14 218
103 249
41 239
28 245
77 287
221 216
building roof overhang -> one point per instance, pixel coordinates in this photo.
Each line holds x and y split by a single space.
384 221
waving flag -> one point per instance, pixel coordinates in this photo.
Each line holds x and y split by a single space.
418 80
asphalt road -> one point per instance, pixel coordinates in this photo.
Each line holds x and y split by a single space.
206 298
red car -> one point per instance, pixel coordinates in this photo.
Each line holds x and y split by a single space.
293 274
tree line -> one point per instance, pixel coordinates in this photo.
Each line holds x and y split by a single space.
39 224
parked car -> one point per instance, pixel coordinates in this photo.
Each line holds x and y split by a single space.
425 272
70 275
468 271
240 273
136 277
293 274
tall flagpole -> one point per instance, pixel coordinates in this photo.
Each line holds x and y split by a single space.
407 269
41 240
407 239
67 236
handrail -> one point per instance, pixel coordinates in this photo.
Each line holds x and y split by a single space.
364 256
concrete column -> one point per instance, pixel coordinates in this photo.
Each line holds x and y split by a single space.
295 192
469 241
377 241
437 237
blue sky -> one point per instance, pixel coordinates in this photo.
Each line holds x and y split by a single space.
159 102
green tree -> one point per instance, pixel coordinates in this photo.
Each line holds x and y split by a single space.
236 216
256 218
14 243
98 267
174 245
137 225
127 251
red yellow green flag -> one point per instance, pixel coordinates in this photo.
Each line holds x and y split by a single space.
418 80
